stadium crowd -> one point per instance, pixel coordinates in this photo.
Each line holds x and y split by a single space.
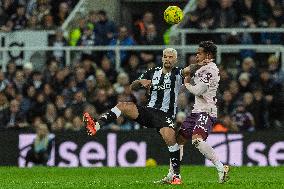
250 95
33 14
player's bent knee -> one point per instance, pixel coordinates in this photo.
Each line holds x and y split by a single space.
181 140
196 141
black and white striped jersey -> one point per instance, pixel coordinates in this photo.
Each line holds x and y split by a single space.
165 88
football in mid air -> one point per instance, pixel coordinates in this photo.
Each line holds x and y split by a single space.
173 15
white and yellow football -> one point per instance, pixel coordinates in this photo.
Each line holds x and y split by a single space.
173 15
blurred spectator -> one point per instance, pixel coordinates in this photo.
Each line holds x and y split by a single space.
40 9
93 17
11 71
122 39
140 26
48 23
58 82
58 125
226 15
28 100
38 107
271 38
60 105
278 15
33 23
3 81
108 69
69 91
77 123
274 67
19 81
89 67
151 36
244 83
4 18
61 15
14 118
50 114
268 85
28 71
76 33
248 66
226 104
51 70
41 147
121 81
80 76
101 101
202 17
225 78
248 101
48 92
224 126
10 92
260 110
68 116
264 11
88 39
78 103
4 108
91 87
105 28
58 41
246 11
243 119
19 19
133 67
37 80
102 80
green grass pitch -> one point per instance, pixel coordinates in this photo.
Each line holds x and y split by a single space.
194 177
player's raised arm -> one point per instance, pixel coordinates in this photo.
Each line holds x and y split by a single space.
192 68
143 81
137 84
197 89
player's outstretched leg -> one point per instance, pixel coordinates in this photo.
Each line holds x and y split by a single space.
129 109
210 154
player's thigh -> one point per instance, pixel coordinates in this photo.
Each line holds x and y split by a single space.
203 126
169 135
187 127
167 127
129 109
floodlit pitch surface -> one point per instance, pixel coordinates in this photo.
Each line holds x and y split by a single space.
194 177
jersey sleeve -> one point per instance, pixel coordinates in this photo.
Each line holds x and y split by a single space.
146 75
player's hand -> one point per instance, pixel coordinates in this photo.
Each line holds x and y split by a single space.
205 61
146 83
186 80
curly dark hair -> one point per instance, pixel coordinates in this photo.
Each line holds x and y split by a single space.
209 47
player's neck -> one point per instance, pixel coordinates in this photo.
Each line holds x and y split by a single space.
165 70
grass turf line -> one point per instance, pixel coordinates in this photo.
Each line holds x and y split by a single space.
194 177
